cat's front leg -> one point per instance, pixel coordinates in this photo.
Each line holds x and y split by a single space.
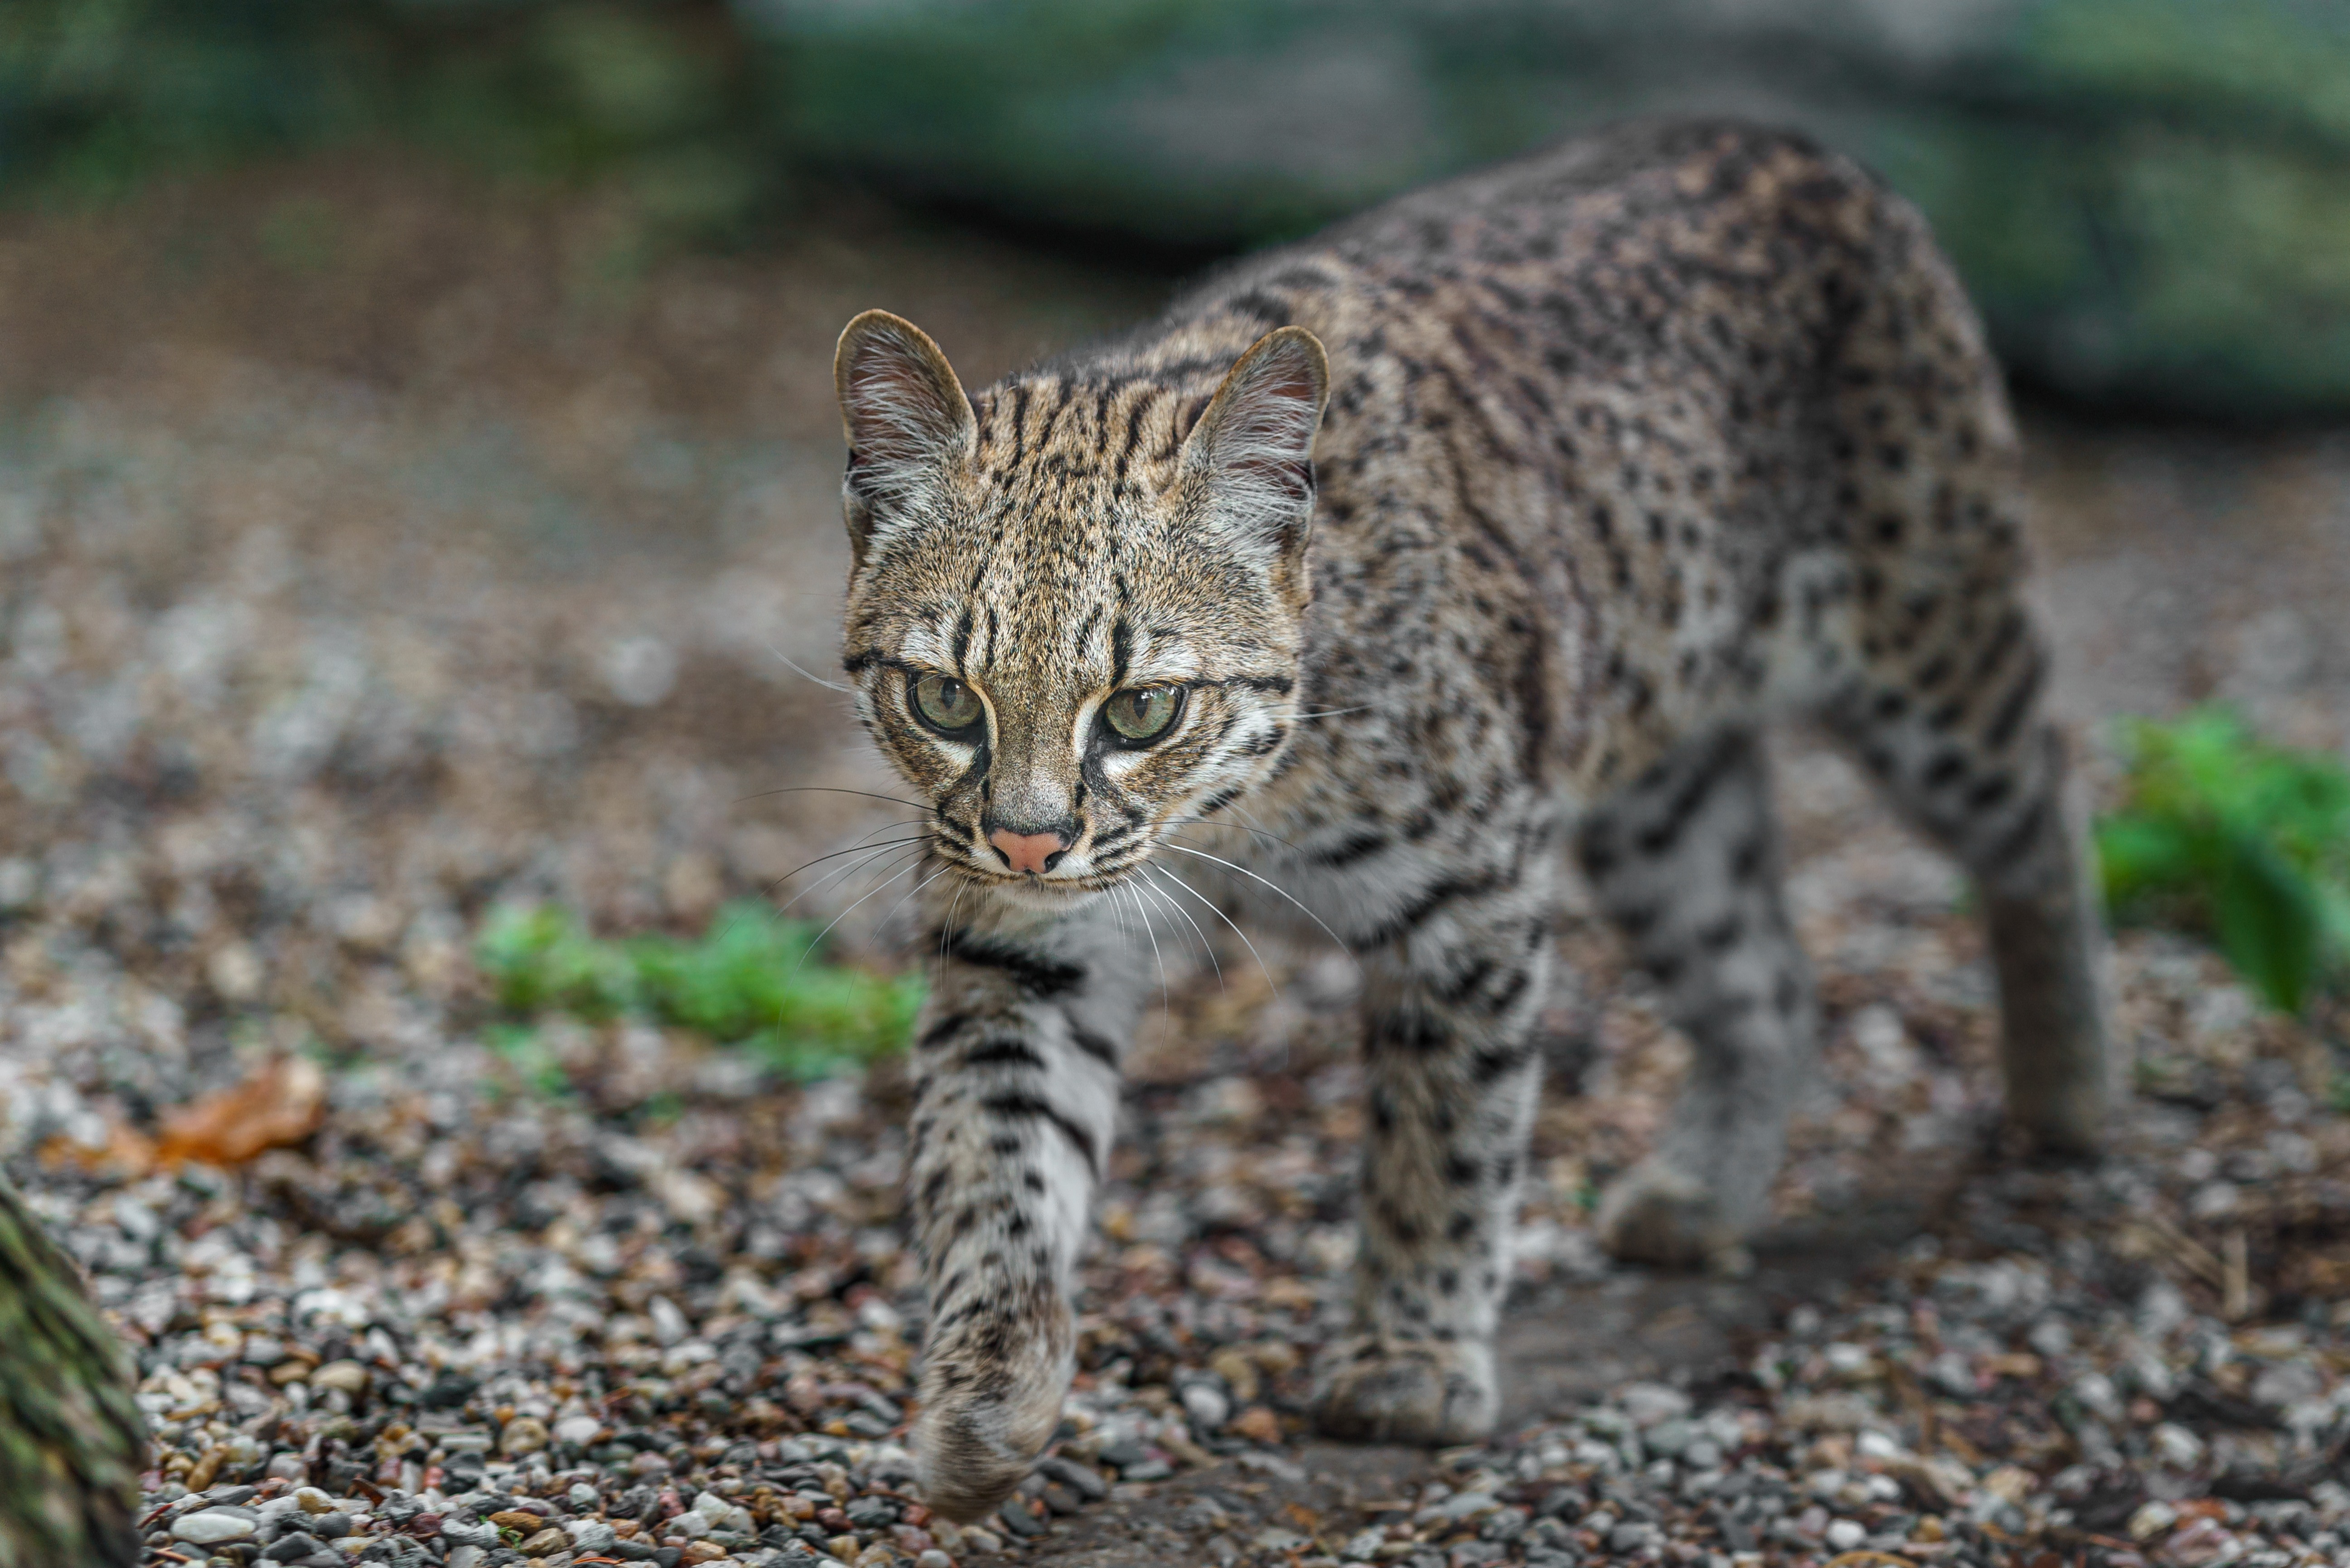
1016 1063
1452 1079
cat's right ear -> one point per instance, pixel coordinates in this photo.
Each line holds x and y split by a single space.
905 415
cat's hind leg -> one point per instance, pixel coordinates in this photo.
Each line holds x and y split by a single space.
1687 863
1947 709
1957 739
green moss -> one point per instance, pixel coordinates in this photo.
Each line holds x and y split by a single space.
750 980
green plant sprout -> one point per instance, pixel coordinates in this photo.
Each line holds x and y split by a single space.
749 981
2222 832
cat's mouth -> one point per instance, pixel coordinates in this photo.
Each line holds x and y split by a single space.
1055 888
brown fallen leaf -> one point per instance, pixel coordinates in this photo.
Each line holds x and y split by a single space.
1259 1425
281 1103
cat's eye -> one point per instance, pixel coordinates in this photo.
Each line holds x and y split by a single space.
1142 712
945 703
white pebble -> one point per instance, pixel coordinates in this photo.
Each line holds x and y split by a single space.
347 1376
1208 1408
1844 1534
2179 1447
1848 1360
210 1526
2152 1520
590 1535
1649 1403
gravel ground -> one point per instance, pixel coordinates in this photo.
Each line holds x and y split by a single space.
344 600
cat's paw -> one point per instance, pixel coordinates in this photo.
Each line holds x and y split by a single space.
979 1430
1370 1389
1653 1213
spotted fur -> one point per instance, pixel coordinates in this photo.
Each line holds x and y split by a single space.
1479 535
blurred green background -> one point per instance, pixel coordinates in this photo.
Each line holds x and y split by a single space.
2150 198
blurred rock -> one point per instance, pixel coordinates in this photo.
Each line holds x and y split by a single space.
2151 201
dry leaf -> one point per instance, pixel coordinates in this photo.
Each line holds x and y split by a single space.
281 1103
1259 1425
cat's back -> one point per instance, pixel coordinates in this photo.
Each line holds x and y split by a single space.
1716 249
1627 413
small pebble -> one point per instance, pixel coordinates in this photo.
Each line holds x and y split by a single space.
210 1526
347 1376
522 1436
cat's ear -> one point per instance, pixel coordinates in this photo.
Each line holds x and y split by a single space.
1253 448
905 415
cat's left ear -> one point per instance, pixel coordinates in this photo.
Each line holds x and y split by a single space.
1253 450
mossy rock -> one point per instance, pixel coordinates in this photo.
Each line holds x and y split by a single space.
71 1439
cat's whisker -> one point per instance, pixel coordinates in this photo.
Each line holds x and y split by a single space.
900 854
1179 883
820 681
1166 987
831 789
1125 928
1203 855
1334 712
878 857
1236 827
891 913
1242 815
946 930
1206 946
841 874
861 841
861 848
852 910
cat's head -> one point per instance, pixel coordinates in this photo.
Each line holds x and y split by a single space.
1075 616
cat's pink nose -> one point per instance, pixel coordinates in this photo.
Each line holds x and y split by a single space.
1037 851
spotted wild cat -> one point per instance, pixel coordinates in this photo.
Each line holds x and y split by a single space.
1472 538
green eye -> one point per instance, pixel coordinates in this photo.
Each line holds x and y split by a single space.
945 703
1143 712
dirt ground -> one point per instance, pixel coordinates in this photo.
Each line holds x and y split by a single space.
376 546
